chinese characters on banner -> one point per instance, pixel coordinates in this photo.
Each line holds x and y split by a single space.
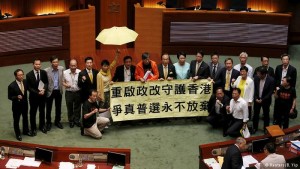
159 99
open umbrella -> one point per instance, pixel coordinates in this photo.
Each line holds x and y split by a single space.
116 36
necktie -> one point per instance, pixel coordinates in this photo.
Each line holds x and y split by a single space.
91 75
37 76
197 67
165 72
214 72
22 87
227 81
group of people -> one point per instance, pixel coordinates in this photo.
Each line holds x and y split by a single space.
236 89
239 90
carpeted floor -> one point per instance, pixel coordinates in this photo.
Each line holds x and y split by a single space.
170 145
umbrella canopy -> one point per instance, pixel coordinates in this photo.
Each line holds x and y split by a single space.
116 36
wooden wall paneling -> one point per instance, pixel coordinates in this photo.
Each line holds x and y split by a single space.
113 13
294 36
148 24
12 7
130 16
35 7
23 54
267 5
82 34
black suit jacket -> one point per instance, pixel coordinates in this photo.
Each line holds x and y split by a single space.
13 92
87 85
270 72
171 71
292 72
212 102
221 78
33 84
203 71
233 158
267 90
119 74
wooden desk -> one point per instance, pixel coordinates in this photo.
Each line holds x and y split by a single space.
61 154
205 149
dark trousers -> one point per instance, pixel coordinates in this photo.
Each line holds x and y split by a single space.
235 127
73 103
36 103
18 110
218 120
276 112
281 114
266 113
250 113
57 97
282 117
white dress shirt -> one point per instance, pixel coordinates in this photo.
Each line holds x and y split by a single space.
239 109
127 74
72 79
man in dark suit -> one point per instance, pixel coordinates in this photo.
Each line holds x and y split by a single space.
226 76
218 116
215 66
285 69
37 81
125 73
233 157
198 68
263 90
166 70
265 62
87 79
17 93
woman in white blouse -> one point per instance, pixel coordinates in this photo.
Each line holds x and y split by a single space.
246 85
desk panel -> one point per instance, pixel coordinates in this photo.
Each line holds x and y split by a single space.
225 32
61 154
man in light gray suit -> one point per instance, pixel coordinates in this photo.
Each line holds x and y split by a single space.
273 160
54 92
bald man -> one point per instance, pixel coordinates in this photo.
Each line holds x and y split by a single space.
72 93
233 157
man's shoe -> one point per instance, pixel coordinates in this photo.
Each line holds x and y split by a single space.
43 130
71 124
29 133
77 124
33 132
48 126
59 125
18 137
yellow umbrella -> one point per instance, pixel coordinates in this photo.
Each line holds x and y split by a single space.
116 36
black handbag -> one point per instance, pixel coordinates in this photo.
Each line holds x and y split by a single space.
294 114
